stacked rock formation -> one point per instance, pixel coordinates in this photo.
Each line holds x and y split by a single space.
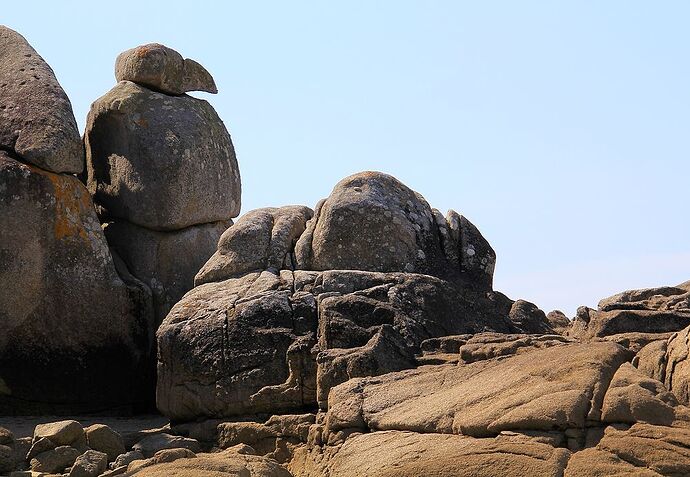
295 302
162 167
73 332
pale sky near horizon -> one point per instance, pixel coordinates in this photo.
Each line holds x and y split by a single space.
560 129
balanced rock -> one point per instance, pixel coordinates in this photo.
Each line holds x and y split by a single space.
163 69
159 161
72 333
36 118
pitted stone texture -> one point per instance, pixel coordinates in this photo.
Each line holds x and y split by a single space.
163 69
165 261
262 239
556 388
371 221
72 333
159 161
36 118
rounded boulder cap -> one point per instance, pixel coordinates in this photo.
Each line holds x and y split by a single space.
163 69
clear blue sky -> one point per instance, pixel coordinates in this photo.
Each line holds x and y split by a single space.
561 129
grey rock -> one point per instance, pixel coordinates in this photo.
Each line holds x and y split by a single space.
260 240
72 332
161 68
165 261
91 463
55 460
36 118
159 161
528 318
123 460
6 437
150 445
250 344
104 439
477 258
371 221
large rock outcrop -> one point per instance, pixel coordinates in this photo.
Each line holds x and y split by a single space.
162 167
36 119
371 221
73 334
649 310
294 303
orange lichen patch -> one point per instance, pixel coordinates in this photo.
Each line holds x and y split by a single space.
143 50
142 122
70 203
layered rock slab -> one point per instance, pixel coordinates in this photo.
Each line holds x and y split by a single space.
556 388
72 333
36 118
146 147
409 454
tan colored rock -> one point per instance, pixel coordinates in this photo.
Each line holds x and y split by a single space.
150 445
677 368
61 433
596 463
160 457
409 454
633 397
55 460
662 449
229 463
549 389
104 439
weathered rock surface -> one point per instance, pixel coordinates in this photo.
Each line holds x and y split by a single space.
227 463
55 460
172 153
148 446
72 333
36 118
165 261
528 318
371 221
102 438
252 344
409 454
90 464
650 310
261 239
163 69
556 388
60 433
